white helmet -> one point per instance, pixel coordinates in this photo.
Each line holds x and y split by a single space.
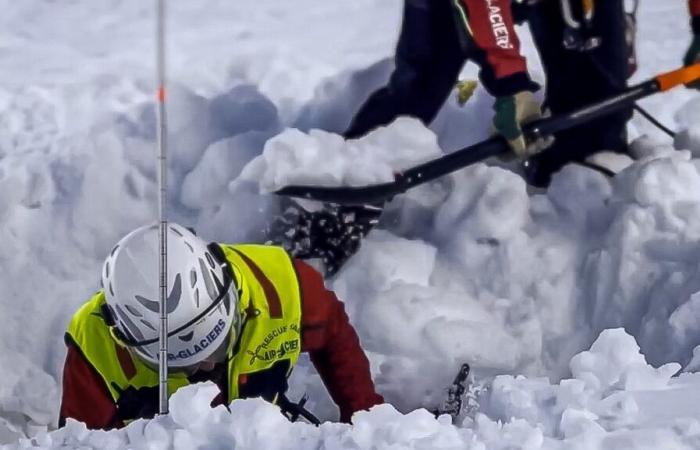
202 303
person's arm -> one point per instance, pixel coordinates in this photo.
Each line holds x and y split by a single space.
334 346
85 396
489 24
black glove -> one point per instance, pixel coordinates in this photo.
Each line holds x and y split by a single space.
141 403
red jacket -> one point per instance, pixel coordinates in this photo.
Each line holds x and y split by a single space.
327 336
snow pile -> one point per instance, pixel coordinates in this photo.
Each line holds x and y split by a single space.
489 274
253 424
291 156
615 400
539 275
470 268
29 399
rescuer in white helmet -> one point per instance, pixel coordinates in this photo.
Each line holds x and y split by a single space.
238 315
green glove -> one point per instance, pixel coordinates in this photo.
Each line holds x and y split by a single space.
692 56
511 113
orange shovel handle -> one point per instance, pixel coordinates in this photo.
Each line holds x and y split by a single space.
680 76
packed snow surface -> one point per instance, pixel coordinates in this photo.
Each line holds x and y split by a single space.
533 289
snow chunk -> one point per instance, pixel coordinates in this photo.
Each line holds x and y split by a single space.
326 159
614 361
29 398
491 203
694 364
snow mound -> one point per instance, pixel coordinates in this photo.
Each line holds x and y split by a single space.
252 424
614 396
472 268
614 361
29 399
516 412
326 159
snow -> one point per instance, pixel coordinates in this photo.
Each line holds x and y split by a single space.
605 405
533 289
291 156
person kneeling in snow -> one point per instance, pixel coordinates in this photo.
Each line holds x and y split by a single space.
238 315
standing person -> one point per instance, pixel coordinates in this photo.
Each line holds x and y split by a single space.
437 38
577 76
239 315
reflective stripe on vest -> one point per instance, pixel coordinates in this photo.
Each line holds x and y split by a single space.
270 302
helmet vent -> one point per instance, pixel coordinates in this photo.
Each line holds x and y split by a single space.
187 337
227 303
128 326
172 302
107 269
174 230
114 250
149 304
211 289
175 294
219 283
148 325
196 297
193 277
189 246
210 260
133 311
111 289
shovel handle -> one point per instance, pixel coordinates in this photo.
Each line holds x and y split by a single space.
684 75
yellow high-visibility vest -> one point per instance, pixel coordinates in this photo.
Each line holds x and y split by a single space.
270 338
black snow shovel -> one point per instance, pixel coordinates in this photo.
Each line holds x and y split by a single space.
334 233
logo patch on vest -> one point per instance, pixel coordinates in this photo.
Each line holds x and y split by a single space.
266 352
199 347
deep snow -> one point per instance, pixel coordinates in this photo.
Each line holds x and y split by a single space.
472 268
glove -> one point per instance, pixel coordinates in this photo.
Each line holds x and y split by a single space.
141 403
692 56
511 112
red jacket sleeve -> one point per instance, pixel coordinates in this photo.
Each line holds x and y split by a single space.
85 396
694 6
334 346
489 23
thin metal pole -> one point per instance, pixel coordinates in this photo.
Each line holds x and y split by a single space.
162 216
